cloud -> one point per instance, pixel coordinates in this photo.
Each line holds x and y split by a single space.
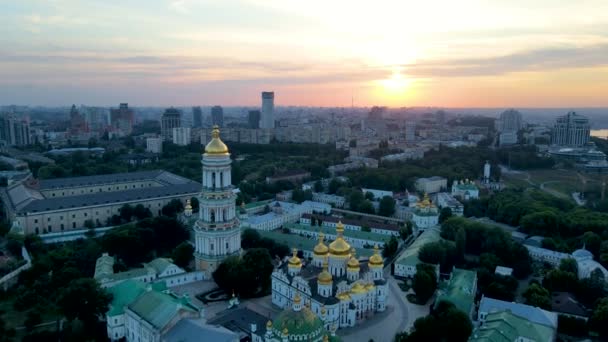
533 60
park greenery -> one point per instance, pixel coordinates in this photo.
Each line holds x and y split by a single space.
424 283
445 323
60 282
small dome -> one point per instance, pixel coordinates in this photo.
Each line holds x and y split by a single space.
294 261
582 254
324 278
188 205
269 324
339 247
376 259
301 322
321 249
216 146
370 287
425 203
358 289
344 296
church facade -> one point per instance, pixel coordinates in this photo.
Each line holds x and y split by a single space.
217 228
335 286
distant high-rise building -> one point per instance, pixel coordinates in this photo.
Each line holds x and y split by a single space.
571 130
122 119
15 131
440 117
217 116
181 136
96 118
410 131
170 119
197 117
77 122
267 114
509 121
376 113
254 119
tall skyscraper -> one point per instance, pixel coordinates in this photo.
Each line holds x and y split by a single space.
122 119
217 116
77 122
14 130
217 230
170 119
571 130
267 114
509 121
197 117
96 118
254 119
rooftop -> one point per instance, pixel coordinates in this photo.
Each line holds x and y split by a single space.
460 290
126 292
194 330
159 308
355 234
505 326
410 255
164 177
347 221
296 241
528 312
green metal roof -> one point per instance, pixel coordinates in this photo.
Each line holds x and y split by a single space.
347 232
134 273
298 322
505 326
160 264
468 186
126 292
410 255
305 244
459 290
159 308
257 204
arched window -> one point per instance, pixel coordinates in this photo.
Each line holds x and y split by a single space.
213 180
212 214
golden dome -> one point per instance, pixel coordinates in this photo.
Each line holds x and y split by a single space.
321 249
376 259
216 145
268 324
343 296
353 262
325 338
324 278
188 205
425 203
358 288
294 261
339 247
370 287
285 332
297 299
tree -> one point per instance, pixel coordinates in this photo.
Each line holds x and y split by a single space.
369 196
334 185
461 243
126 212
141 212
172 208
445 323
599 318
444 214
390 248
250 238
84 300
194 203
536 295
424 282
592 243
355 199
89 224
32 319
569 265
318 186
183 254
299 195
405 232
367 207
387 206
6 334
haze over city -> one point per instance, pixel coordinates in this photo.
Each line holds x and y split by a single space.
472 53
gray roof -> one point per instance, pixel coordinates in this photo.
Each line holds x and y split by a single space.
191 330
239 320
164 177
530 313
101 198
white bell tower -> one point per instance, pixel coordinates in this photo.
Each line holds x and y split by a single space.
217 230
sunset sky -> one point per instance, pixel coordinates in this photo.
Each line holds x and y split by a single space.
466 53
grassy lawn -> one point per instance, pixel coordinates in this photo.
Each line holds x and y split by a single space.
561 183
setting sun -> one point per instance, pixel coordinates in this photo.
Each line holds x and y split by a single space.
396 84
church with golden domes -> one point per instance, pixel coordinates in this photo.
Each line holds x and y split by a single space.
217 229
426 214
335 285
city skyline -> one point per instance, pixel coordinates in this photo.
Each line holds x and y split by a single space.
394 53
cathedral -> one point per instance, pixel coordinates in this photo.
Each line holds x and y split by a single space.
335 286
217 228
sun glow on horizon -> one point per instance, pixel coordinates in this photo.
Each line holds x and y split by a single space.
396 85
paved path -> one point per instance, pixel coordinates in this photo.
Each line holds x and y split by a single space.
382 326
